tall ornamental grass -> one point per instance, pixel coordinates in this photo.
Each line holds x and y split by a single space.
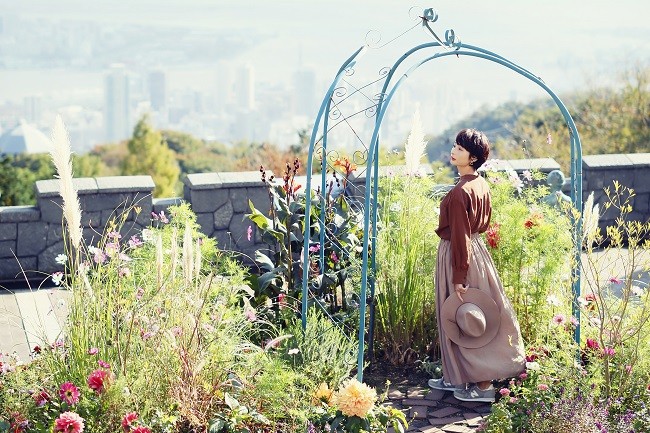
406 257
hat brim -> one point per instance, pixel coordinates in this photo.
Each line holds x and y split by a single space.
490 311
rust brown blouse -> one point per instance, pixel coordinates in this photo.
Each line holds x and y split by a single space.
466 209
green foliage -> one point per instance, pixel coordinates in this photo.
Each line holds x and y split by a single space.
406 260
322 348
237 419
606 387
196 156
149 154
18 173
531 246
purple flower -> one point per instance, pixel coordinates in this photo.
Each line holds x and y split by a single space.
314 248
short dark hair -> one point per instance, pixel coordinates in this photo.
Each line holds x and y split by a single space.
476 143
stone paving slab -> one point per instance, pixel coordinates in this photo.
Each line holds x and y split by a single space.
30 317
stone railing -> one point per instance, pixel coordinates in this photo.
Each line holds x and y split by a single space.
31 236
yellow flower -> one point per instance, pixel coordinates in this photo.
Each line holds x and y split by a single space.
355 398
323 393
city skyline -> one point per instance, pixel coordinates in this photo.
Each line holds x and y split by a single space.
258 71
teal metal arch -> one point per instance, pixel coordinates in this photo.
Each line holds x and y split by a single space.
451 47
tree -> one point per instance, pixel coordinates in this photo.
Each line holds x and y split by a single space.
18 173
149 154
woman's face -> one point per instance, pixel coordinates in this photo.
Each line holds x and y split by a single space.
459 156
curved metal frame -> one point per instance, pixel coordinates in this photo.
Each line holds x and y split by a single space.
452 47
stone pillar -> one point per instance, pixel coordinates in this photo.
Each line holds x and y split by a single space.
221 201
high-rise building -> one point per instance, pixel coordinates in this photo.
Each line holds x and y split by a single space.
305 92
117 105
33 108
223 87
157 90
246 88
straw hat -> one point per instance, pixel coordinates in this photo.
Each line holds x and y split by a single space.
472 323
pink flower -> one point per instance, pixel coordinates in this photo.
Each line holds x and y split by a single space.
139 293
124 272
542 387
40 398
559 319
314 248
523 376
615 280
249 233
514 400
69 422
128 420
93 351
141 429
628 369
98 380
574 321
135 241
104 364
334 257
549 139
163 218
250 314
69 393
504 391
608 351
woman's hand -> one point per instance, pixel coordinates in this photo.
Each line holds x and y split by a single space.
460 289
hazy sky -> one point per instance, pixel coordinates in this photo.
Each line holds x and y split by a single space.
570 44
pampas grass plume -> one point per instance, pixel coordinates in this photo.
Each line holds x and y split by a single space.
62 158
415 146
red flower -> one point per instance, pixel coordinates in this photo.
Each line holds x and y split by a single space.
533 220
128 421
345 164
141 429
492 235
37 349
69 422
69 393
592 344
98 380
40 398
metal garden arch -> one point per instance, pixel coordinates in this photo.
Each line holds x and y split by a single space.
450 46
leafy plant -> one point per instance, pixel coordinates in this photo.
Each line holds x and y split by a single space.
283 230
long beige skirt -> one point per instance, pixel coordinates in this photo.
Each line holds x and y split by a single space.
501 358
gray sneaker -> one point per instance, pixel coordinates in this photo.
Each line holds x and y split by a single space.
474 393
441 384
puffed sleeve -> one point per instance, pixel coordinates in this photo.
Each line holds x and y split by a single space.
460 235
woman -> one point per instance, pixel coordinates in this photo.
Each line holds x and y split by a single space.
480 339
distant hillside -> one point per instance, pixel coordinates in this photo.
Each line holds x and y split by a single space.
609 120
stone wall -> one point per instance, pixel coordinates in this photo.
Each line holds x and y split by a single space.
31 236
